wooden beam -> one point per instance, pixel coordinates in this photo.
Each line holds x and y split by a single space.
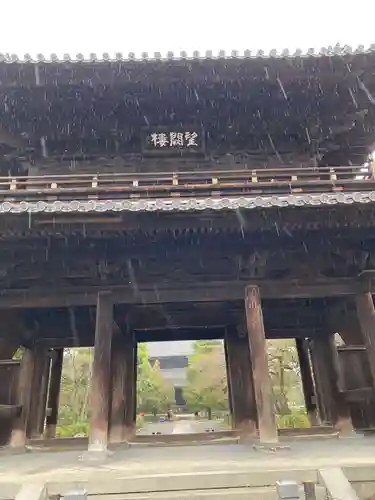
101 374
207 292
262 381
205 332
54 393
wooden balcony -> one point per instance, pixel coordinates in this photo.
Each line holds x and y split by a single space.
220 183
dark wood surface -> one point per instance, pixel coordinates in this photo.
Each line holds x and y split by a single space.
57 357
39 390
366 317
307 381
25 378
262 382
121 396
101 374
197 184
251 108
240 382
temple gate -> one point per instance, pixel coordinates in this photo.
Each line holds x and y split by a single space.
228 196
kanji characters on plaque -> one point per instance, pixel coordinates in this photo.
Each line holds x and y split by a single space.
174 140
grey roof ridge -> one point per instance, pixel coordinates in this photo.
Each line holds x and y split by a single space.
335 50
190 204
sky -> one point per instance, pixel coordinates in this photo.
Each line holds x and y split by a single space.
47 26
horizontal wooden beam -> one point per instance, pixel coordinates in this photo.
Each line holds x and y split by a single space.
185 292
147 184
175 334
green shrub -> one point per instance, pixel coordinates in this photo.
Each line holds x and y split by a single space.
295 419
140 421
71 430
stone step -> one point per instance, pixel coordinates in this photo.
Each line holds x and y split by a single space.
104 483
266 493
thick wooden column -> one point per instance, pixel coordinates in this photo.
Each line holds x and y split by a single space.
57 357
229 383
19 424
322 386
262 381
122 394
307 381
131 389
366 318
333 395
39 391
240 383
101 374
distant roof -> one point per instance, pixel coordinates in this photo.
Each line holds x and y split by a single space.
166 349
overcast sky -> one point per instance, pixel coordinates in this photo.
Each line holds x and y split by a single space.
134 26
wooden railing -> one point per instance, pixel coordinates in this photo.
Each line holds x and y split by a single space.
187 184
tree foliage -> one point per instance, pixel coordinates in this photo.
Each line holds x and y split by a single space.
75 388
154 394
284 370
206 387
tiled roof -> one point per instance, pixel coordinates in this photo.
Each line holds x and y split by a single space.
188 204
336 50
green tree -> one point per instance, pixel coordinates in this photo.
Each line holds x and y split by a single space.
206 387
285 374
75 391
154 394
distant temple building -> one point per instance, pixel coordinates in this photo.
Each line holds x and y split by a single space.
173 360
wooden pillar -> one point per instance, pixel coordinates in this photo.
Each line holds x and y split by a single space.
42 412
122 391
101 374
39 388
229 382
262 381
366 318
328 369
322 389
131 389
307 381
57 357
19 424
343 420
240 383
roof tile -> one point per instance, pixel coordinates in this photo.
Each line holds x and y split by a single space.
336 50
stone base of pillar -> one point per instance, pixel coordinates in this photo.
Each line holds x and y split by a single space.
345 427
314 419
246 429
95 455
129 432
50 431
